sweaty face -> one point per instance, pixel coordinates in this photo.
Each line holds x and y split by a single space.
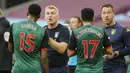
51 16
74 23
107 15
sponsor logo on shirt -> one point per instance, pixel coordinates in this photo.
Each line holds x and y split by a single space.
113 31
128 30
56 35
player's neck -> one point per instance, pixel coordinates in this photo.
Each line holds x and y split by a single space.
30 18
51 26
110 24
87 23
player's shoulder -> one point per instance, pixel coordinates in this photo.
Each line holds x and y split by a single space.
4 21
62 26
17 24
76 31
98 28
64 29
121 27
20 22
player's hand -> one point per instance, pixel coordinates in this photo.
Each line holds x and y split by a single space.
117 53
50 39
105 57
109 57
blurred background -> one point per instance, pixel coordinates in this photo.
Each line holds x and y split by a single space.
16 10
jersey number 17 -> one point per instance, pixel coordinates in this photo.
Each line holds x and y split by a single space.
86 44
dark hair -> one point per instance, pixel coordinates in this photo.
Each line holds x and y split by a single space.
78 18
34 9
87 14
108 5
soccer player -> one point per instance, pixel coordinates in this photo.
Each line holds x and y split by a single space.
119 36
58 41
87 42
75 22
26 40
5 55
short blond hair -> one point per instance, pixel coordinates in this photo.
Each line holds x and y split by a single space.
53 7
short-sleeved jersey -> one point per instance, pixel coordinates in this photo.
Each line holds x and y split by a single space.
88 42
60 34
28 38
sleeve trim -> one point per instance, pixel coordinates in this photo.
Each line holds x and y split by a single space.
45 49
71 50
108 47
10 43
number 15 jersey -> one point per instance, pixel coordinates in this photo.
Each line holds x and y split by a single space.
88 41
28 39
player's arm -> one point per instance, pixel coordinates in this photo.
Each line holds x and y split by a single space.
72 45
44 54
44 59
126 39
10 43
61 46
7 31
107 46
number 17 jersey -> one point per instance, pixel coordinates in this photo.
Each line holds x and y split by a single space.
28 39
88 42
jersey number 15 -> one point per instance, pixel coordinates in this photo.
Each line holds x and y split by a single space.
85 45
27 40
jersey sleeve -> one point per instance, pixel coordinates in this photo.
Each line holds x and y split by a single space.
11 34
64 35
6 31
44 44
72 43
106 42
126 40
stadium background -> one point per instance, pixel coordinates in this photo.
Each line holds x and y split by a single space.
16 10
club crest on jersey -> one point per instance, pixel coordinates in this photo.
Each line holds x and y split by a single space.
56 35
113 31
128 30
